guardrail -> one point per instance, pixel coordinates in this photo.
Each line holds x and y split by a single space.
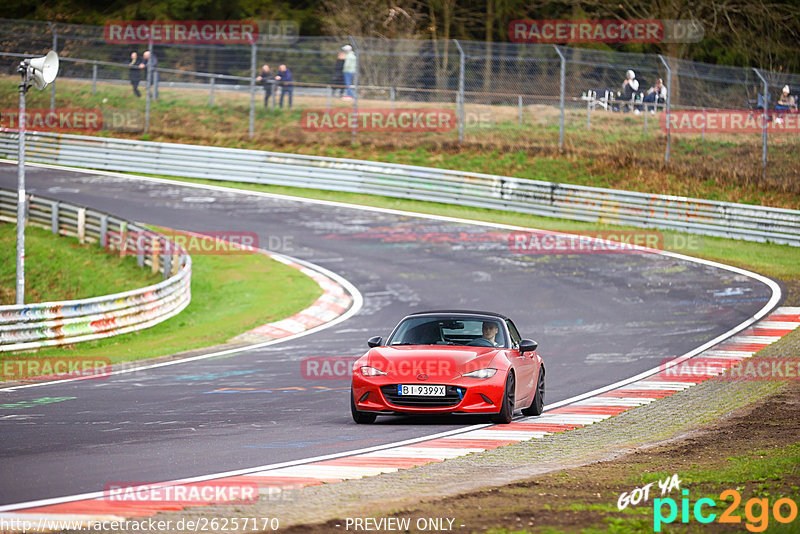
550 199
57 323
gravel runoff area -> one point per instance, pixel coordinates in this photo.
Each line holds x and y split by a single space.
673 418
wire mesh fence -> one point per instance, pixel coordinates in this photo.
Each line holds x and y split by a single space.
508 96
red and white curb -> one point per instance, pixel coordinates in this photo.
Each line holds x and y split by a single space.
662 383
334 301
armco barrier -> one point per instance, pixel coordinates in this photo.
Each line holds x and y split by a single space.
706 217
56 323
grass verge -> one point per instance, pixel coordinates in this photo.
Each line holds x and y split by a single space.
230 294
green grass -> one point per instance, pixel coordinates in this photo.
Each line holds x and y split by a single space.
615 152
60 268
779 261
230 295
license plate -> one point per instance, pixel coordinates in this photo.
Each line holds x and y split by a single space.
424 391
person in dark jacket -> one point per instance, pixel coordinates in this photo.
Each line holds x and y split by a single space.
135 74
265 80
284 79
338 75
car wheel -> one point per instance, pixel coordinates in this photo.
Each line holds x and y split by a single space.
507 411
537 406
362 418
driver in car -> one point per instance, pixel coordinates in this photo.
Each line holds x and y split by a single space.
489 332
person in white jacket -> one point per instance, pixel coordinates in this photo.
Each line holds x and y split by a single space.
629 88
349 71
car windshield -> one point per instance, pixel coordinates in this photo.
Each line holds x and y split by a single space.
446 330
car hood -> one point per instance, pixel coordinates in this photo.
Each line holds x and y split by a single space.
438 363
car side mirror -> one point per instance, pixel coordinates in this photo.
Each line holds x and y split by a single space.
374 341
527 345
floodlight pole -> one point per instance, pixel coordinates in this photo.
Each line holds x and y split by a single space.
24 85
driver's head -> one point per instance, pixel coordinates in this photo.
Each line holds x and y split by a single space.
489 330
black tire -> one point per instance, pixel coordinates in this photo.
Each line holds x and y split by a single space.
537 406
362 418
507 411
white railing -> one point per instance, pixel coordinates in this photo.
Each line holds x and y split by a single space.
551 199
56 323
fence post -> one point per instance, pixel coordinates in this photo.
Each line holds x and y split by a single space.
561 96
669 105
460 94
53 83
355 83
329 96
211 92
519 106
391 95
147 89
765 101
54 219
589 101
253 88
103 241
94 78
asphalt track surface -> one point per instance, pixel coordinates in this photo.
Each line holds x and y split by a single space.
598 318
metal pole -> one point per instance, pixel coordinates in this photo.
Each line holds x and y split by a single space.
519 106
669 105
329 96
147 89
703 135
55 49
561 97
645 117
253 88
21 207
391 95
765 102
589 110
211 92
94 78
460 95
355 83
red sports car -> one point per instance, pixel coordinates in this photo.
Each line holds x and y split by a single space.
449 362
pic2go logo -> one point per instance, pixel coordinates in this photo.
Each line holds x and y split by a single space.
756 511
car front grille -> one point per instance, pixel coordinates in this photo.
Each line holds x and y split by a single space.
451 398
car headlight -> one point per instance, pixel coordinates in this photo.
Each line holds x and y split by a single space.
481 373
371 371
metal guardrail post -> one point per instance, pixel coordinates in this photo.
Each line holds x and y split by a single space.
562 82
103 241
54 218
764 125
460 95
355 83
94 78
253 89
669 106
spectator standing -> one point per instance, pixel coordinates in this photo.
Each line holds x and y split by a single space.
265 80
338 74
656 94
284 79
147 58
349 71
135 73
629 88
